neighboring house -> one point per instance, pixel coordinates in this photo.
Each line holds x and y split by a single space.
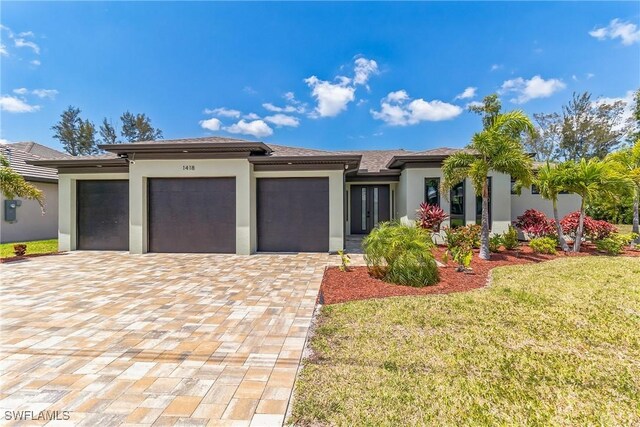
29 222
234 196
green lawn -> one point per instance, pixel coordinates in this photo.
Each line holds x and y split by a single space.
34 247
555 343
624 228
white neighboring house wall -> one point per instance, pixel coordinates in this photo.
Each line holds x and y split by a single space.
30 223
567 203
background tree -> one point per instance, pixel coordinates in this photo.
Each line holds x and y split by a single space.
586 128
588 178
489 109
76 135
498 147
550 182
13 185
628 163
108 133
137 127
634 125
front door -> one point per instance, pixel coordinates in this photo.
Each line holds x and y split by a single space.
369 206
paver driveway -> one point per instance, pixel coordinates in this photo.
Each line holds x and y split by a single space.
156 339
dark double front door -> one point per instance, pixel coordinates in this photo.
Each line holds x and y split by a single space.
369 206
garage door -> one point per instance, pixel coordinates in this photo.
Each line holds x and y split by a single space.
192 215
293 214
103 215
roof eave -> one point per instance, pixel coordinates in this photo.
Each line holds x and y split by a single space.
399 161
193 147
279 160
76 162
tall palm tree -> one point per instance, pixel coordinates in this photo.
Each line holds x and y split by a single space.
550 182
499 148
13 185
587 178
628 162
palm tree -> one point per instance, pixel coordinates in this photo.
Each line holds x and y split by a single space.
587 178
499 148
628 163
550 182
13 185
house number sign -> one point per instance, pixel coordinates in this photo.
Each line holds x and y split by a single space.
188 167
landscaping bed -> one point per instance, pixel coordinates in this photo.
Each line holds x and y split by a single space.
357 284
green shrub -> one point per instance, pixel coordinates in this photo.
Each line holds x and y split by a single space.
510 239
401 254
615 243
495 242
460 244
543 245
345 261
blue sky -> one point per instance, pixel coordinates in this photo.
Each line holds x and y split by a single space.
322 75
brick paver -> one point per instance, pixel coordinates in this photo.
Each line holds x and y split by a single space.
155 339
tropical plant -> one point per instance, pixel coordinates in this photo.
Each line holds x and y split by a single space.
510 238
593 229
430 217
550 182
401 254
628 163
460 243
496 148
13 185
534 223
587 178
495 242
543 245
345 261
615 243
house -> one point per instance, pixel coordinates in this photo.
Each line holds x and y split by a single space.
234 196
24 220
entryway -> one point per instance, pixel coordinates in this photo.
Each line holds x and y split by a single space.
369 207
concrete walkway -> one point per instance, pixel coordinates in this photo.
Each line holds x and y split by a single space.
155 339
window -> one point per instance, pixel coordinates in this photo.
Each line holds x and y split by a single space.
457 205
535 189
363 210
513 186
432 191
479 205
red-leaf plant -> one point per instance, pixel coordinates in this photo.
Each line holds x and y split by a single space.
430 217
593 229
534 223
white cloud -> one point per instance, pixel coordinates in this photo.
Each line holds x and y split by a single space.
627 113
332 98
283 120
536 87
469 92
3 50
4 141
21 91
45 93
249 90
20 42
26 34
627 32
11 104
211 124
590 76
495 67
363 69
474 104
257 128
35 62
251 116
397 110
274 108
223 112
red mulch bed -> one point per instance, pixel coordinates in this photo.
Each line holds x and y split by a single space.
357 284
24 257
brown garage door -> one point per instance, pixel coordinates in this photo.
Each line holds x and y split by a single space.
103 215
293 214
192 215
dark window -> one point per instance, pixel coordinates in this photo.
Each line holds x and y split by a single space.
457 205
479 205
535 189
432 191
513 186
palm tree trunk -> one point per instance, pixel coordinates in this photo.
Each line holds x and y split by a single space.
636 216
579 231
561 239
484 237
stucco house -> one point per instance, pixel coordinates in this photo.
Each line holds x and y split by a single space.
24 220
228 195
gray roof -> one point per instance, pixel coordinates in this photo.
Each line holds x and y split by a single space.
18 153
374 161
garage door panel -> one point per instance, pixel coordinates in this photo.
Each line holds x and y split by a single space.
102 214
293 214
192 215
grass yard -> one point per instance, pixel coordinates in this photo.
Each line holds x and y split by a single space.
34 247
624 228
554 343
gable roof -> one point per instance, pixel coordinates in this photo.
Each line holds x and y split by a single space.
20 153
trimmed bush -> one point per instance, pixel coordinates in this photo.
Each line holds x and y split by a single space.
495 242
534 223
460 244
510 239
544 245
401 254
614 244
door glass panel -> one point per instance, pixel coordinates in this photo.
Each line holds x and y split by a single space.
457 205
363 208
375 206
432 191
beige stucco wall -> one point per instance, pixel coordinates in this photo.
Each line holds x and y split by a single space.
336 199
567 203
31 224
